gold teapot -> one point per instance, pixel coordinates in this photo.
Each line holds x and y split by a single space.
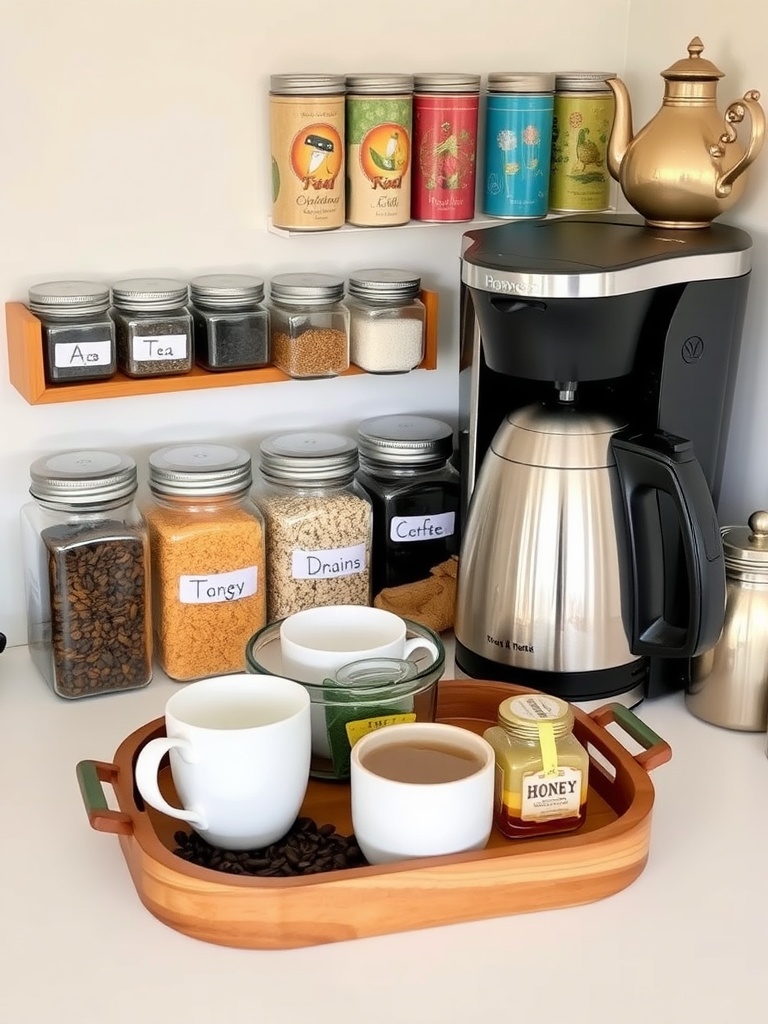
686 166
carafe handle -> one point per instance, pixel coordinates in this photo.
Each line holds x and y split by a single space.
648 465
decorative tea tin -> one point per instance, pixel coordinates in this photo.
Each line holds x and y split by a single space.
583 114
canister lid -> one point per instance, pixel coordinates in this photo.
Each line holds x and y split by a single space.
384 284
302 288
404 440
83 479
583 81
306 85
375 672
303 459
523 714
745 548
226 291
446 82
379 84
199 470
67 299
521 81
149 293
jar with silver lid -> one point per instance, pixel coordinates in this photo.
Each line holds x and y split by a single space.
582 118
153 328
406 470
229 322
86 558
318 522
309 325
78 334
387 319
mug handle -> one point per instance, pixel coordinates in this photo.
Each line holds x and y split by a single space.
145 773
417 642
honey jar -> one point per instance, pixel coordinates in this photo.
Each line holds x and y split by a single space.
541 768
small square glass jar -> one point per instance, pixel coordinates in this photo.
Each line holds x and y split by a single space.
153 327
386 322
310 325
229 322
78 334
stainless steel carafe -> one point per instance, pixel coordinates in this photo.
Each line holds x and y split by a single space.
561 574
729 683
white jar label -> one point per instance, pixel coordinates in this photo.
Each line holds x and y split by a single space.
556 795
67 355
328 565
219 587
152 347
405 529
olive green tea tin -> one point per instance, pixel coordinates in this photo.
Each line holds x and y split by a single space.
583 115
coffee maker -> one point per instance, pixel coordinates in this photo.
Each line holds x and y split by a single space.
598 357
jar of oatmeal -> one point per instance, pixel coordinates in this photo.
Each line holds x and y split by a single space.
309 324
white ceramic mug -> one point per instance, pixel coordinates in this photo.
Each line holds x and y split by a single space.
395 819
316 642
239 748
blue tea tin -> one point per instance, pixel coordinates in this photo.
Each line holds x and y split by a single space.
518 144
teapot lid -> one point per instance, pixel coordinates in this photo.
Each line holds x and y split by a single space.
746 547
694 65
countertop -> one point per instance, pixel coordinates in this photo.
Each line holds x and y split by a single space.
686 942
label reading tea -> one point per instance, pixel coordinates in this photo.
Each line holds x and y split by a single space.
94 353
218 587
406 529
556 795
328 565
152 347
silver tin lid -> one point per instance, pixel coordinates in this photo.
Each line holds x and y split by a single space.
379 84
81 480
68 299
303 288
306 85
199 470
376 673
745 548
405 440
303 459
384 285
521 81
446 83
149 293
226 291
582 81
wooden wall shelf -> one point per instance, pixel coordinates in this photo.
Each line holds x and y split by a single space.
27 373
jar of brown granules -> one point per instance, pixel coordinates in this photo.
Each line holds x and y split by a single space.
86 560
318 523
310 326
207 547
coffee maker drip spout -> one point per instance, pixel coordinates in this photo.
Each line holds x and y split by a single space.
566 390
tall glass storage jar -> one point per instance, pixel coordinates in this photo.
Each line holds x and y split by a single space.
310 325
229 322
153 328
78 334
406 469
207 546
386 321
86 560
318 523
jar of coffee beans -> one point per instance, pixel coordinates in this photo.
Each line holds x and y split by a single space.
230 324
318 523
310 325
153 328
78 334
386 323
86 558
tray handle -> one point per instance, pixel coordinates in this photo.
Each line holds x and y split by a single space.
657 751
90 775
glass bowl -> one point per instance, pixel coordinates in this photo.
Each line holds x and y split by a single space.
374 693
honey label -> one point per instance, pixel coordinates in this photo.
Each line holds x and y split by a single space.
551 795
378 160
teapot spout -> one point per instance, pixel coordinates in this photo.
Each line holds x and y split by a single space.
621 131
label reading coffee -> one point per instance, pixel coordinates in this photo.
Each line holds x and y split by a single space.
551 795
218 587
329 564
378 160
151 347
95 353
406 529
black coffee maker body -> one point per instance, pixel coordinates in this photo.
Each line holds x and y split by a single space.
598 318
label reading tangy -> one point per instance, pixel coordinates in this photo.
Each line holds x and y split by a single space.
406 529
328 565
94 353
555 795
219 587
159 346
356 730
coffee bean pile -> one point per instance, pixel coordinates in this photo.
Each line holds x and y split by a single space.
307 849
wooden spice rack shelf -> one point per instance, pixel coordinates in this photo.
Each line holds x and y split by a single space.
27 373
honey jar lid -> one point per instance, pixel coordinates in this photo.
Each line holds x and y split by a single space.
524 714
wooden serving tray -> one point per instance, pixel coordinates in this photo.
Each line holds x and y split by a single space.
508 877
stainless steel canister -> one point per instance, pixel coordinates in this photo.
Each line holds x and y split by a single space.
729 684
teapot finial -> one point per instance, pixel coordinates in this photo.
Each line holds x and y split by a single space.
695 47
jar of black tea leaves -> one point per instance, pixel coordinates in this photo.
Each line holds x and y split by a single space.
78 334
153 327
86 559
230 324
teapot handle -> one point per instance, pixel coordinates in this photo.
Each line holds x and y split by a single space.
734 114
648 465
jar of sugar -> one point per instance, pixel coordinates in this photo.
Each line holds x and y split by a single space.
386 320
